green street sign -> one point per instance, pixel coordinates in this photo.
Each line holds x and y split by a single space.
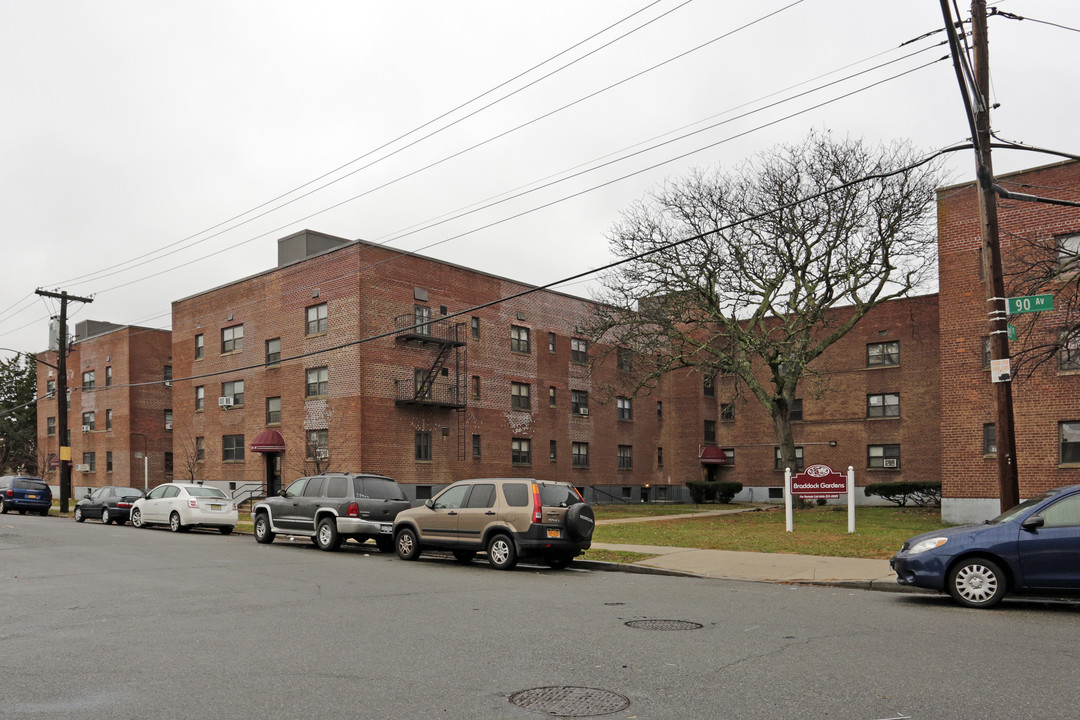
1031 303
1012 332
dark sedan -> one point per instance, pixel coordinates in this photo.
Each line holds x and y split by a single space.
1032 548
111 504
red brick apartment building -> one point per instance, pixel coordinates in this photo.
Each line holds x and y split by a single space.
871 403
1046 403
119 410
351 356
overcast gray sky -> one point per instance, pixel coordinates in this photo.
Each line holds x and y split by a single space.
137 127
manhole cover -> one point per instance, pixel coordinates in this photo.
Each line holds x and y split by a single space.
664 625
570 701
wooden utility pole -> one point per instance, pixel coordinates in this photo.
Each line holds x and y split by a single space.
61 395
1005 435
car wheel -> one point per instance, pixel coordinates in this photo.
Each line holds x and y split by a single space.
263 534
225 529
977 583
22 511
45 512
406 544
3 508
580 521
136 517
385 543
174 522
464 556
105 519
79 517
559 562
327 535
502 555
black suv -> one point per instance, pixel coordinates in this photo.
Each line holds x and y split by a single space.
333 507
25 493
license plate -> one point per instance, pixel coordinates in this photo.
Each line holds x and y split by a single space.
385 528
32 497
554 533
215 507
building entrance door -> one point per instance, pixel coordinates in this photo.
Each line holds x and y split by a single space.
273 473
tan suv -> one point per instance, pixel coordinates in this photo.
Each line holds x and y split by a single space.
509 518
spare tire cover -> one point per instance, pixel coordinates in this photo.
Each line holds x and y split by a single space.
580 521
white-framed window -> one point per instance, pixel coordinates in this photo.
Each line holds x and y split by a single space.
579 454
317 446
1069 353
519 339
579 402
232 448
626 457
798 459
1068 251
199 343
235 390
1069 438
200 398
273 411
273 351
89 425
990 439
625 408
232 339
422 445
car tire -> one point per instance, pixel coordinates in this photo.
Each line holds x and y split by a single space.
79 517
22 511
226 529
136 518
977 583
326 535
502 555
174 522
263 533
559 562
406 544
45 512
385 544
464 556
105 519
580 521
3 508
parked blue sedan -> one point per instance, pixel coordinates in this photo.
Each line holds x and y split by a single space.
1032 548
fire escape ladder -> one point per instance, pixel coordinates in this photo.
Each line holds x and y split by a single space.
423 389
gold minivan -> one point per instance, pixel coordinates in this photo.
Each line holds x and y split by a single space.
508 518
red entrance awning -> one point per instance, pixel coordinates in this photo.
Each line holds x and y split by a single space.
712 455
268 441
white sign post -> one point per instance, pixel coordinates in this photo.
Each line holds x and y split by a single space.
819 481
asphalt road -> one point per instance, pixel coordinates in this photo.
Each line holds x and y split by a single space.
113 622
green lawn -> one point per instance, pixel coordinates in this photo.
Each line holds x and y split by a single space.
626 510
879 531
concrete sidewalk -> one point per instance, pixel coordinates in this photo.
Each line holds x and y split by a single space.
759 567
762 567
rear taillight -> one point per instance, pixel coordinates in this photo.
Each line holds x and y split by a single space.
10 493
123 504
354 510
193 503
538 510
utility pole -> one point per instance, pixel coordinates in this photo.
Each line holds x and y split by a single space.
1004 430
61 395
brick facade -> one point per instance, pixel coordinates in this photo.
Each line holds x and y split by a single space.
1041 401
136 397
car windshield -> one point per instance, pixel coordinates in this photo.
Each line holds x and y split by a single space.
127 492
212 492
552 495
378 489
26 484
1014 511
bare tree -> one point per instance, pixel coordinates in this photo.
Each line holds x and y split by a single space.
768 265
1041 263
187 450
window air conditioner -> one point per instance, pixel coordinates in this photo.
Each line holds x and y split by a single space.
322 453
168 383
86 428
888 462
583 411
168 426
225 402
82 467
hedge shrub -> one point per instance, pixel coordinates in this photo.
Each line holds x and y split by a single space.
921 493
703 491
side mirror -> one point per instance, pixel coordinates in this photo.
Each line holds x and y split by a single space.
86 496
281 492
429 504
1033 523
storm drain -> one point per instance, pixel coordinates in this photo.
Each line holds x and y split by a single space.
563 701
664 625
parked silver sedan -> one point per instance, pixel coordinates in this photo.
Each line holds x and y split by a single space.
182 506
